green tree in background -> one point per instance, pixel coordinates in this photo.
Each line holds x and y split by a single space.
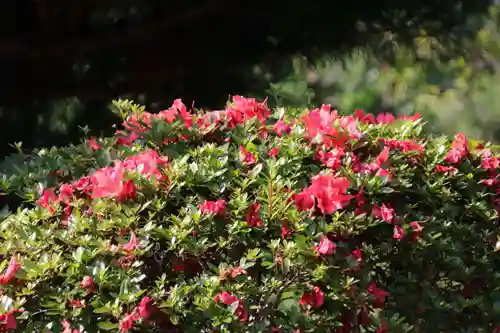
454 82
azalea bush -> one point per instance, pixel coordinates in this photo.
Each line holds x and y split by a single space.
253 220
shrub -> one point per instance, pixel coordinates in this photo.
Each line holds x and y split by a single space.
252 220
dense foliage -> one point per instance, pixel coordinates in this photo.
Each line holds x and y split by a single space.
254 220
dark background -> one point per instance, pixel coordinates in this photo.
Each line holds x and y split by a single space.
62 62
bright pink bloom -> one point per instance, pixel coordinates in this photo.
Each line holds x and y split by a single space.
145 307
445 169
321 128
8 321
228 299
281 127
48 200
146 163
329 192
10 272
247 157
93 144
133 243
108 182
332 159
87 282
285 231
213 207
488 161
384 212
127 322
459 149
385 118
398 232
404 146
326 247
65 193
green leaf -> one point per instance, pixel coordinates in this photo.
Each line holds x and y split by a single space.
107 325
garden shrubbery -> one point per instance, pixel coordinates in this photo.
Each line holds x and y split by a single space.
254 220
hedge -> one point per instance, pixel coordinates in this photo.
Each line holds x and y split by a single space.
254 220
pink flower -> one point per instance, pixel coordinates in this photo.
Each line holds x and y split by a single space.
228 299
246 157
329 192
281 127
48 200
87 282
93 144
132 244
108 182
416 230
127 322
398 233
459 149
384 212
445 169
10 272
326 247
145 307
213 207
273 152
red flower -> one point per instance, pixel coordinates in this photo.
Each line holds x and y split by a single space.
398 233
127 322
273 152
326 247
304 200
315 298
67 328
403 145
385 118
285 231
332 159
329 192
145 307
384 212
8 320
445 169
87 283
281 127
459 149
228 299
213 207
383 328
48 199
379 295
416 230
252 218
488 161
93 144
11 271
